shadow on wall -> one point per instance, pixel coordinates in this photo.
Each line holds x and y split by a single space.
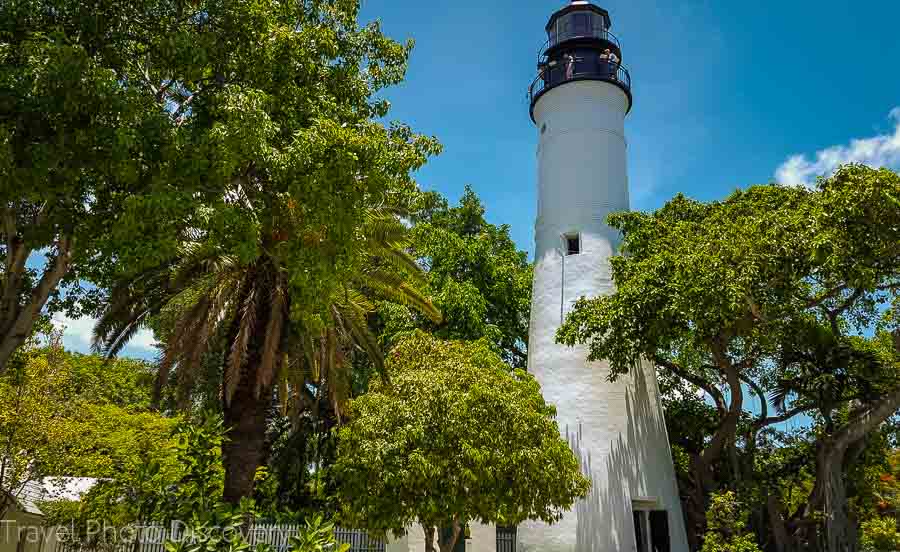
638 465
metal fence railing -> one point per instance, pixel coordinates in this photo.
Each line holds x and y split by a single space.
506 539
153 538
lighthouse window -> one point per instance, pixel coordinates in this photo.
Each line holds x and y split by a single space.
580 24
573 244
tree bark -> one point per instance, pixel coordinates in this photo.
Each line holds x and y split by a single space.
777 525
447 545
829 491
246 414
244 451
429 538
701 481
694 503
17 320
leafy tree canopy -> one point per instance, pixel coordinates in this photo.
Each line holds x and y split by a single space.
457 437
788 293
478 278
72 415
134 127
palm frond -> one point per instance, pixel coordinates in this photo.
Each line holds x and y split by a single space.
338 381
780 394
384 229
404 263
129 303
399 292
354 320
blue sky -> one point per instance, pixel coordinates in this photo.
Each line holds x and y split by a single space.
725 93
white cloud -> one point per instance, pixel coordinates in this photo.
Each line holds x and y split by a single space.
882 150
77 335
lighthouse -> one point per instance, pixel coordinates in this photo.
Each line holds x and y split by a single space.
579 102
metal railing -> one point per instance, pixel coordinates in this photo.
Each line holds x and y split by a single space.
506 539
560 73
152 538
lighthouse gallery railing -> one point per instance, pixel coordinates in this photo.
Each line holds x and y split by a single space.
557 74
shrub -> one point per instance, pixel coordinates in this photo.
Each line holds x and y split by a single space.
727 526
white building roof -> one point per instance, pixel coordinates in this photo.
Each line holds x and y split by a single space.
52 488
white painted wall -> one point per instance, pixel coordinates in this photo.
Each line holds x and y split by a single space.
484 539
616 429
21 531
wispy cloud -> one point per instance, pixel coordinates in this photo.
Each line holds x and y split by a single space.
78 331
882 150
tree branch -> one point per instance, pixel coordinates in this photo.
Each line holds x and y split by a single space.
16 256
708 387
849 302
815 302
728 426
764 403
867 420
787 415
18 332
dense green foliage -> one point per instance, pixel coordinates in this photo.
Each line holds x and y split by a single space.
789 294
220 172
459 250
244 138
64 414
186 491
478 278
456 437
727 526
93 166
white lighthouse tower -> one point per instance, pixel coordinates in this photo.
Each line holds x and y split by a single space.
579 102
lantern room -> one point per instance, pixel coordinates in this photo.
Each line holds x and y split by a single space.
579 47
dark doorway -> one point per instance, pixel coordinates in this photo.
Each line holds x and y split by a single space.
640 530
659 531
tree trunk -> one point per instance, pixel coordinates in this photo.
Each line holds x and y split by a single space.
429 538
777 525
447 545
247 412
830 471
244 451
695 503
17 319
829 491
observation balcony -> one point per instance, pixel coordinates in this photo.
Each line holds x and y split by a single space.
583 67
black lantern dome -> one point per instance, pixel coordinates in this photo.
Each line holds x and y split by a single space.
579 47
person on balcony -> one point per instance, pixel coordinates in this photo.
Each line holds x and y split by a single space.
570 66
613 63
609 62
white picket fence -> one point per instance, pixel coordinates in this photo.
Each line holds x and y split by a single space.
153 538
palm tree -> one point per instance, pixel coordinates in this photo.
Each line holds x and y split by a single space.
212 296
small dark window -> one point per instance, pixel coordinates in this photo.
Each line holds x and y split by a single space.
573 244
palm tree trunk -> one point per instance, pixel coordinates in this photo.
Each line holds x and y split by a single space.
247 413
246 448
